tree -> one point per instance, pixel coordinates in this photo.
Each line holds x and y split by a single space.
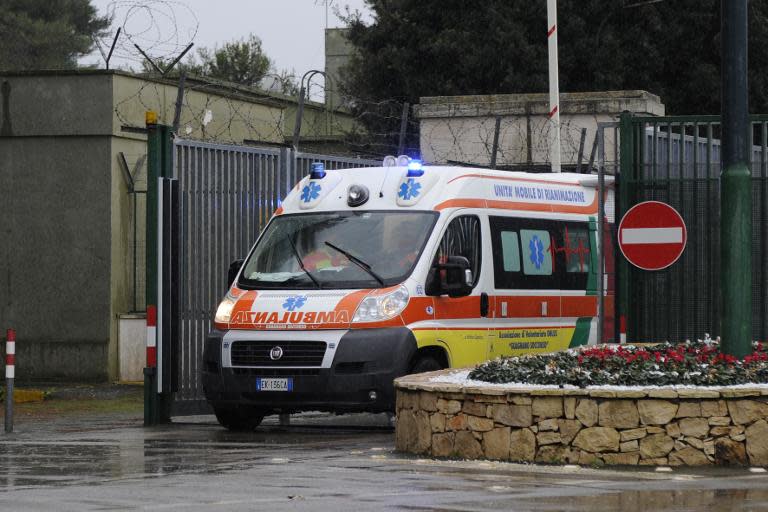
242 61
47 34
671 48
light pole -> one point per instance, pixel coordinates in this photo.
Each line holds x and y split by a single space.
735 184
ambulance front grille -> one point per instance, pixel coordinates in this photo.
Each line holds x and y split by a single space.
293 353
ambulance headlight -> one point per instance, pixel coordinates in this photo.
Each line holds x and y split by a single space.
224 311
382 307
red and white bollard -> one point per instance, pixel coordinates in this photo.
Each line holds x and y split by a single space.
622 329
151 336
10 373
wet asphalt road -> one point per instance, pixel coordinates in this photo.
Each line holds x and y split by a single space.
319 463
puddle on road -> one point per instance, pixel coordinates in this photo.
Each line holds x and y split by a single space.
644 500
31 464
165 451
292 458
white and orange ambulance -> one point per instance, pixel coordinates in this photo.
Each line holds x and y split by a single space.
364 275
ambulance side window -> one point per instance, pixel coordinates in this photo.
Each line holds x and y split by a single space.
505 241
537 252
462 238
540 254
510 251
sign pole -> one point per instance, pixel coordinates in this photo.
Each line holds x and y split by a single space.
554 87
735 184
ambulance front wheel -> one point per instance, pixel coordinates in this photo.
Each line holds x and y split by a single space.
426 364
239 420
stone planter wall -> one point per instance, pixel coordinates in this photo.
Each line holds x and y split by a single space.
654 427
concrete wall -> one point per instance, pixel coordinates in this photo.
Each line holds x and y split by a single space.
56 224
55 264
66 212
338 50
207 113
461 128
228 114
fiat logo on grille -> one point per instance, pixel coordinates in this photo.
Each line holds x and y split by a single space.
276 353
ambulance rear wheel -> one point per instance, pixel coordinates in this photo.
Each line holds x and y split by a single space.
426 364
239 420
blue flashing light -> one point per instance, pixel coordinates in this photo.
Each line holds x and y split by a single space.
414 169
318 171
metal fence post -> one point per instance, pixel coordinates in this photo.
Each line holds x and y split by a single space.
10 374
299 115
403 128
156 407
495 147
150 371
626 162
600 133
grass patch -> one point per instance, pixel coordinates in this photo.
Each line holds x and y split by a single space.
125 404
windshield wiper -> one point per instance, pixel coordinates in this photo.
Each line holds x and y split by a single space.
357 261
301 263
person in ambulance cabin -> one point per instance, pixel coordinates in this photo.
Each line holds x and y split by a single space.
322 258
409 253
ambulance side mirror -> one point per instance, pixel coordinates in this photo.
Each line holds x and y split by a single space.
453 278
234 268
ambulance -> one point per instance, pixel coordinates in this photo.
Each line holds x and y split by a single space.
365 275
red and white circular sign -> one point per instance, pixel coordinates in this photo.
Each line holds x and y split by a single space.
652 235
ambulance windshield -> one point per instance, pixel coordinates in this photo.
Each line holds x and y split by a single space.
365 249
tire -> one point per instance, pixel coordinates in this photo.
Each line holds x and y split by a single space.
426 364
239 420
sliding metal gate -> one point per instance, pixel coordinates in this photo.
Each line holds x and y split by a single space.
226 196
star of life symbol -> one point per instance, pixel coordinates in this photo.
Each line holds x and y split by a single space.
310 192
409 189
294 303
537 251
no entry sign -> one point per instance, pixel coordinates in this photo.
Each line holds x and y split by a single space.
652 235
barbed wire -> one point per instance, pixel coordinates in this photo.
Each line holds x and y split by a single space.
161 28
522 140
229 113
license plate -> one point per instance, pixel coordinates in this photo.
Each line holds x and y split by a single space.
285 384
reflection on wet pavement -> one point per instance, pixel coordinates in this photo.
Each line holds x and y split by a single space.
319 464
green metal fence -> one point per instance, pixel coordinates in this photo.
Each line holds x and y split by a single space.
677 160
